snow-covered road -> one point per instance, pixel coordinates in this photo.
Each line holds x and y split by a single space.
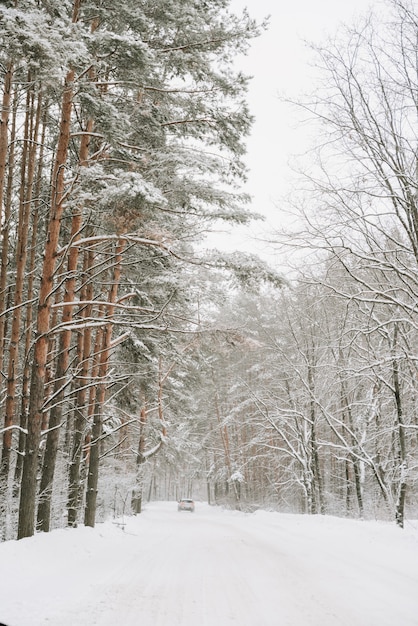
213 568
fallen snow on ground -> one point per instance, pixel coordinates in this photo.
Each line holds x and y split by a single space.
213 568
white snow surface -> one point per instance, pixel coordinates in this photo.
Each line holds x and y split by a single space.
213 568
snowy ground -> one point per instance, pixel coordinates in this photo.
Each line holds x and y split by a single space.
213 568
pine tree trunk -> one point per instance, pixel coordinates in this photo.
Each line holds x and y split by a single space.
4 296
4 135
36 400
93 473
94 383
55 419
28 333
6 159
26 187
80 417
51 448
5 225
136 504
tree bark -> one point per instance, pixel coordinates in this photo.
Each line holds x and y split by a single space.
25 201
354 458
36 400
314 469
93 472
28 332
52 441
4 135
6 158
140 460
402 456
84 344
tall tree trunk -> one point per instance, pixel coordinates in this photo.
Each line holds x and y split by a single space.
402 457
140 460
84 344
51 448
25 201
28 332
314 470
92 393
6 159
142 455
7 156
227 451
36 400
4 135
93 473
353 457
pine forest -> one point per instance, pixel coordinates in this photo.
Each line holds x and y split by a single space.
136 361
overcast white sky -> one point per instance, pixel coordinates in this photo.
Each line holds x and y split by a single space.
279 63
